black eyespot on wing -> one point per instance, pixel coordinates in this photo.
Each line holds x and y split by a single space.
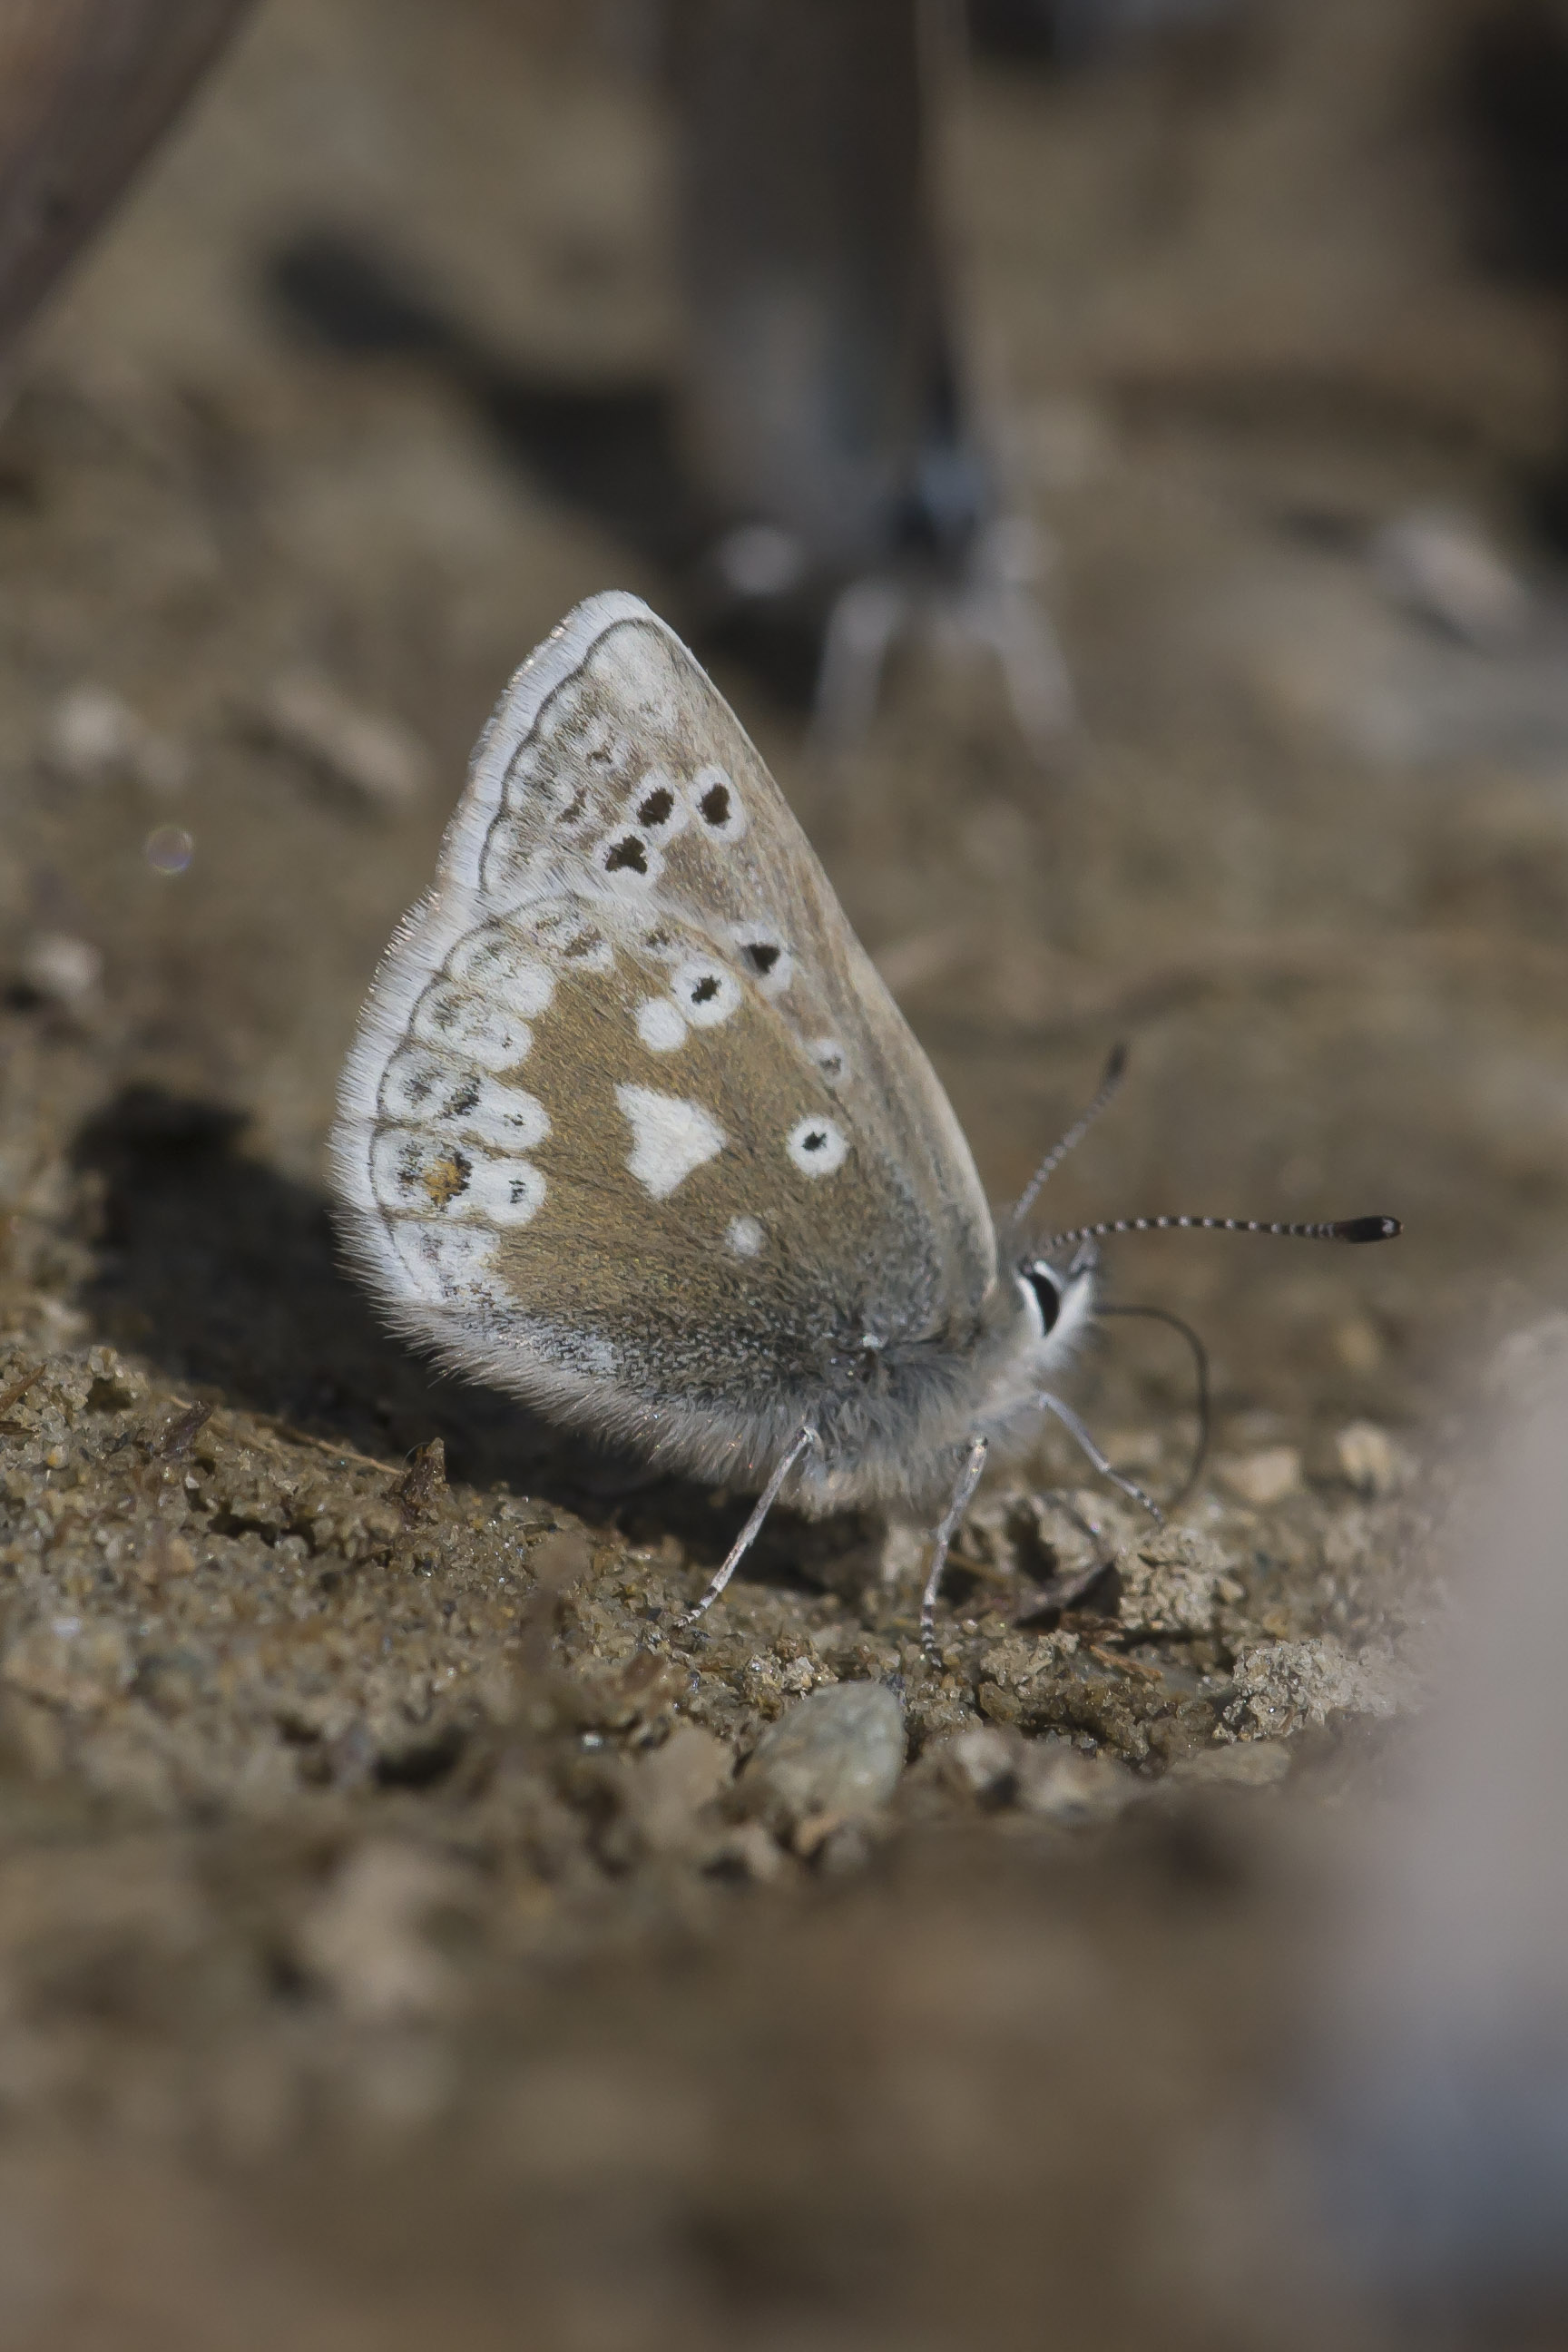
816 1140
629 852
706 988
760 954
1047 1288
658 805
714 805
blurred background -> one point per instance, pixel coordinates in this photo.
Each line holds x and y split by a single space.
1113 453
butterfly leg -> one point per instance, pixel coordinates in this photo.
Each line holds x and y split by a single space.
1075 1428
749 1532
968 1479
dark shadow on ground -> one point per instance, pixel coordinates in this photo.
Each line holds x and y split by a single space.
610 451
224 1274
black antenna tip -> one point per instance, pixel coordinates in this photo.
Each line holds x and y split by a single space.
1367 1229
1116 1068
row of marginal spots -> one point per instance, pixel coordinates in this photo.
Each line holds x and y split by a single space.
417 1174
447 1162
427 1089
630 855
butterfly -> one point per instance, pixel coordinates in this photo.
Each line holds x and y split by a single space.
632 1129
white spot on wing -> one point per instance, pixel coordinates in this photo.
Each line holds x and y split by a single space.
745 1236
817 1146
503 1115
640 668
447 1263
495 964
660 1025
461 1022
670 1136
507 1191
415 1083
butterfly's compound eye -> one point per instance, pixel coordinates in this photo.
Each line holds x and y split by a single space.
1047 1287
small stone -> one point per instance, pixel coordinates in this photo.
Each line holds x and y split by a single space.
747 1852
163 1557
1358 1344
560 1558
60 968
92 736
75 1663
1285 1686
1438 562
999 1705
980 1762
670 1785
1059 1785
1369 1460
1172 1584
115 1384
1252 1764
840 1752
1262 1478
847 1848
363 1937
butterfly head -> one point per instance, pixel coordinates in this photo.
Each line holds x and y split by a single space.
1057 1293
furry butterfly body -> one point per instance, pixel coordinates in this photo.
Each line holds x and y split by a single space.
632 1128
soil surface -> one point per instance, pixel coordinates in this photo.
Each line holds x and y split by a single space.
396 1945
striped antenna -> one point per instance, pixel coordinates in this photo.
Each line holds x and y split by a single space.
1110 1087
1343 1229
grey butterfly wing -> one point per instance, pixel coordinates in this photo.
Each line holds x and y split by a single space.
631 1124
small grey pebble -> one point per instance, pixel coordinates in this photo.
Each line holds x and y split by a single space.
840 1752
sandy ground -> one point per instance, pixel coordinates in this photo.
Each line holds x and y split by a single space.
387 1951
